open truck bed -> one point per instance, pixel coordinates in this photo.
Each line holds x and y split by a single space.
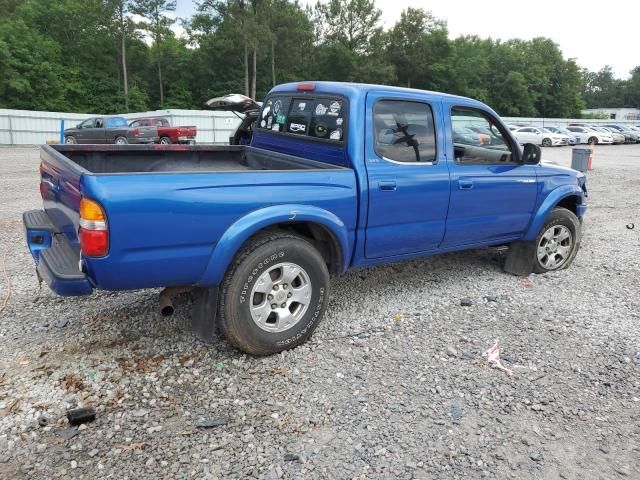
166 209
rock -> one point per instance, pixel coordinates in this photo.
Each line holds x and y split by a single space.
67 433
451 351
623 470
490 298
536 457
141 412
74 464
43 421
456 414
466 302
526 441
41 448
604 448
93 452
213 422
62 323
291 457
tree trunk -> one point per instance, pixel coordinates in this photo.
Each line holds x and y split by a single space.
160 81
124 71
247 91
255 73
273 63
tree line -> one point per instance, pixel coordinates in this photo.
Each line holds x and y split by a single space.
115 56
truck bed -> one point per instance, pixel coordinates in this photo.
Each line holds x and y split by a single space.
107 159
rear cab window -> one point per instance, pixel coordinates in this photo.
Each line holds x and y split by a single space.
317 117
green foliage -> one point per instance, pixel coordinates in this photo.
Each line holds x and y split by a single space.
83 55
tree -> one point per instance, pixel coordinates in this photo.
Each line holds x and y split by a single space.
158 25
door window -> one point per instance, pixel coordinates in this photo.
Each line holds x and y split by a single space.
404 131
99 123
470 147
87 123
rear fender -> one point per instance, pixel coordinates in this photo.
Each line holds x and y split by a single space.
549 204
243 229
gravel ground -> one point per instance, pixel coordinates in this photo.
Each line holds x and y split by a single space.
392 385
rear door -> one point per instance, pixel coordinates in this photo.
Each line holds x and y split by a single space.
408 175
492 194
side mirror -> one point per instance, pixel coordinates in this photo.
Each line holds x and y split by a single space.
531 154
78 125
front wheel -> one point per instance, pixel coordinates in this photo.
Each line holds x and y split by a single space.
593 140
558 241
165 141
274 294
546 142
121 141
70 140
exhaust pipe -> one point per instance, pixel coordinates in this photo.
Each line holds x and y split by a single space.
165 301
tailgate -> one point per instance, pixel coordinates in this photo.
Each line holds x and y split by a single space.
60 190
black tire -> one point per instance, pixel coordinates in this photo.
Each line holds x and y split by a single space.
237 295
546 142
593 140
121 141
165 141
70 140
558 218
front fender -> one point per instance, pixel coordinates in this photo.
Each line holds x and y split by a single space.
549 204
240 231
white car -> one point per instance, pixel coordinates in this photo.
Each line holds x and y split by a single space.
539 136
589 135
617 136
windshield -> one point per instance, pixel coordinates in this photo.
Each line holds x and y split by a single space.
116 122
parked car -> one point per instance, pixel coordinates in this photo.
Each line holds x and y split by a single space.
617 137
166 133
573 138
240 105
629 135
109 129
528 135
589 135
467 135
553 139
337 176
636 130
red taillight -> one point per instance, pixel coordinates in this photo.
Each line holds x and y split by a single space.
136 132
93 233
94 243
306 87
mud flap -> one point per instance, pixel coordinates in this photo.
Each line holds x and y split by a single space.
520 258
205 312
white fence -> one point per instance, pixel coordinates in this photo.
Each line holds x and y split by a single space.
25 127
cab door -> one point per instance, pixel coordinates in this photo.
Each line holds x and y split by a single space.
407 172
493 194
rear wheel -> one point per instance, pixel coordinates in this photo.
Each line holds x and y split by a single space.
121 141
70 140
593 140
558 241
165 141
274 294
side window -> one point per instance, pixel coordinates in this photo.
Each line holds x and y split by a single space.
99 123
404 131
87 123
470 147
135 124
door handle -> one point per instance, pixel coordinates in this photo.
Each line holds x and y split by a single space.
465 184
387 186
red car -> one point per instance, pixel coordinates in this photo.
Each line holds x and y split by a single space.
166 133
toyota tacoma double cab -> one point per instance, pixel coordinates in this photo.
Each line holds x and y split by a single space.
336 176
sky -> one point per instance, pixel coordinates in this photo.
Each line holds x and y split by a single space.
595 33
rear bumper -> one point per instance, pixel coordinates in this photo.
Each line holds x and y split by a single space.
57 262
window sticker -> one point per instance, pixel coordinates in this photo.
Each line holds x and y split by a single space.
280 118
297 127
321 109
336 134
339 121
320 130
334 109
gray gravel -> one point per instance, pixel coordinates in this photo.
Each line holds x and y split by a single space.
392 385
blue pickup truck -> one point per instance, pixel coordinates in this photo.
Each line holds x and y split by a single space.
336 176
